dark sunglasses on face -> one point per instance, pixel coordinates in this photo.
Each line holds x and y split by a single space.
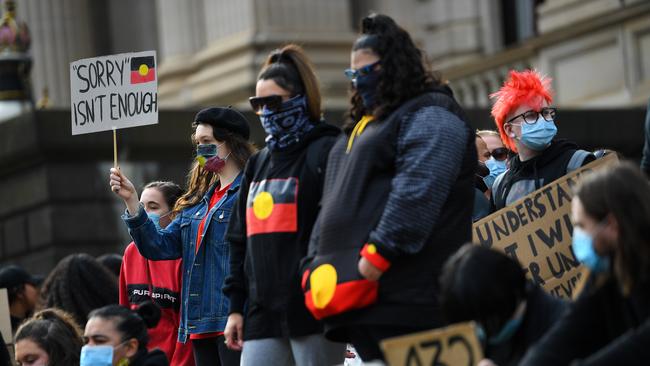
500 153
530 117
353 74
272 102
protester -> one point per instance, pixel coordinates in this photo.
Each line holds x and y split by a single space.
497 159
524 115
22 291
482 205
272 221
398 192
112 261
157 281
50 338
645 160
609 324
197 233
78 284
483 285
116 335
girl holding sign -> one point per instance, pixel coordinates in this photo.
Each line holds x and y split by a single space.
197 232
610 322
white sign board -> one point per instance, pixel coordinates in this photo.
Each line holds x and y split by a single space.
113 92
5 318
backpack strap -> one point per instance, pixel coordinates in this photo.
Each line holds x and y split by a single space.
577 159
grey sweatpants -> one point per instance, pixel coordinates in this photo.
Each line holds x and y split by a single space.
311 350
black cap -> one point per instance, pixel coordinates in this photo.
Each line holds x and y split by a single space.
12 276
226 118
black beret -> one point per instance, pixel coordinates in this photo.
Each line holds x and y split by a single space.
226 118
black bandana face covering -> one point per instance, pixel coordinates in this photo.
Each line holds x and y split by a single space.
286 126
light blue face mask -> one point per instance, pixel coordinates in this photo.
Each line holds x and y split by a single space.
96 356
538 136
583 248
496 167
156 218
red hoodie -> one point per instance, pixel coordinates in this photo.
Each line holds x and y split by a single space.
137 276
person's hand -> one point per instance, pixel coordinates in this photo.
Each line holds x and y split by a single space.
234 332
368 270
123 188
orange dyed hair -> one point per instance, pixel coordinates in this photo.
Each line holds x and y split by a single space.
527 87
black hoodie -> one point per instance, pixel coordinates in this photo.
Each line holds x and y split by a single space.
269 234
153 358
525 177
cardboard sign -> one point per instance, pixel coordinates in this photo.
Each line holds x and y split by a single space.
455 345
5 318
537 230
113 92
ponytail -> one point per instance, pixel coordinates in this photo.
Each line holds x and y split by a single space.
290 68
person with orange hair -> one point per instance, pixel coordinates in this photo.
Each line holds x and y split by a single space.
525 117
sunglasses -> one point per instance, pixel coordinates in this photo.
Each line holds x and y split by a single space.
530 117
353 74
272 102
500 153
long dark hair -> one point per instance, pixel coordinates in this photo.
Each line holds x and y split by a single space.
200 180
404 71
131 324
78 284
623 192
481 284
57 333
171 191
290 68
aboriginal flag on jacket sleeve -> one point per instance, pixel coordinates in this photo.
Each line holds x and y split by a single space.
143 69
272 207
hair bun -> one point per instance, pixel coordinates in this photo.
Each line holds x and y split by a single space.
150 313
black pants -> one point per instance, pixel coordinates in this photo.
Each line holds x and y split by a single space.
366 338
213 352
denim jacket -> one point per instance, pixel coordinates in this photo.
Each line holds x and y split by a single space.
204 308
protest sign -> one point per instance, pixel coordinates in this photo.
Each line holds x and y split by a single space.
5 318
537 230
455 345
113 92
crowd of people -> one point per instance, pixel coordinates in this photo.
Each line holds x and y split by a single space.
315 248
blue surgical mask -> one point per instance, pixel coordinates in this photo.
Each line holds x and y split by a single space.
583 248
366 86
538 136
156 218
496 167
96 356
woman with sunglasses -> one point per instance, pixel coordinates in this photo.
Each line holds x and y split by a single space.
272 221
397 198
526 121
197 233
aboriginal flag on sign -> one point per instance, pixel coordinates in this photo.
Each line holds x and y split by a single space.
143 69
271 207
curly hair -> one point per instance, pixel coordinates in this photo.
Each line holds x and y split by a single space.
57 333
78 284
528 87
404 72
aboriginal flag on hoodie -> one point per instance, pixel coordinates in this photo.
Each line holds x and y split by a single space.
272 207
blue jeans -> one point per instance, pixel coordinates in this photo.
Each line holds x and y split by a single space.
312 350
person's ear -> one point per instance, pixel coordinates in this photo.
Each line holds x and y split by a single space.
508 128
131 347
